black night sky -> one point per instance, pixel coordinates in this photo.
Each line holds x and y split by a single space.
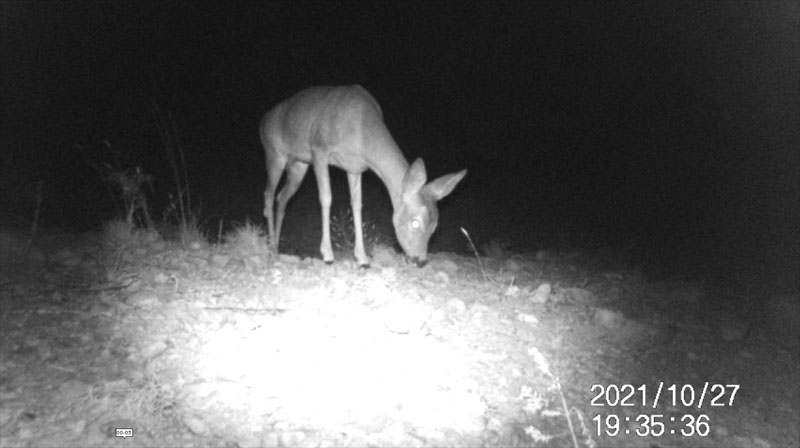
666 129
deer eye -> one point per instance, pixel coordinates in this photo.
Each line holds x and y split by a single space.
415 223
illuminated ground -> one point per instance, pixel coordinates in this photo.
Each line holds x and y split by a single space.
196 345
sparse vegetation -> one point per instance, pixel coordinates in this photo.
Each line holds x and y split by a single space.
128 191
118 238
343 234
177 161
496 248
247 238
35 222
477 255
130 187
541 363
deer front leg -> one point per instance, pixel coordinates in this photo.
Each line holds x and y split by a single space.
355 202
325 199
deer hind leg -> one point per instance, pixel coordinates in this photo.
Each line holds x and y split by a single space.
275 167
295 173
355 202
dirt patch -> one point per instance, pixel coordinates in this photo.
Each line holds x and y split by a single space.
194 345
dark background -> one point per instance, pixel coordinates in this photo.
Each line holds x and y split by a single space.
668 130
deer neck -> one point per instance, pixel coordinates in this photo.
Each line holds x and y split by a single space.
390 165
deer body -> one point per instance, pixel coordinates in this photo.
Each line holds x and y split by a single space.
343 127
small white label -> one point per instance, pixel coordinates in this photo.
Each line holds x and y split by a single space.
123 432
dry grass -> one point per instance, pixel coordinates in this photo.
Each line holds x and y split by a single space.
343 234
247 238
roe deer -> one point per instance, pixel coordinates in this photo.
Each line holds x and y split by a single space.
343 127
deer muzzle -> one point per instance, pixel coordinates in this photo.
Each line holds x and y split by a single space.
417 261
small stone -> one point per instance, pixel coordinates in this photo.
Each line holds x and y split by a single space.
195 424
456 305
542 293
289 259
220 260
512 266
161 278
608 318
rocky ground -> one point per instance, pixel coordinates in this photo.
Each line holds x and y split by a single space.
122 338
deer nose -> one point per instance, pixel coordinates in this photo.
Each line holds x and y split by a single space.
417 261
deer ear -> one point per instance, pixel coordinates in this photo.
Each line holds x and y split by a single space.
444 185
415 178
